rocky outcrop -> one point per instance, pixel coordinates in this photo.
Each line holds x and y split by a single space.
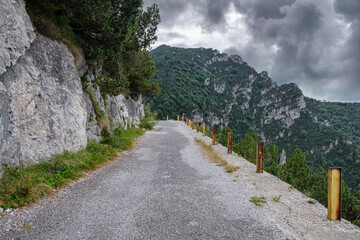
120 111
123 111
42 109
219 88
236 59
16 32
282 160
197 116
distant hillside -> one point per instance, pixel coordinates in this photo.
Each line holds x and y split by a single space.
225 91
342 116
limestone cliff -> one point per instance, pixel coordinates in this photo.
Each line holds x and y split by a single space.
43 109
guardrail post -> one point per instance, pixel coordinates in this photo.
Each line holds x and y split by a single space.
204 129
213 135
260 157
334 193
230 142
197 127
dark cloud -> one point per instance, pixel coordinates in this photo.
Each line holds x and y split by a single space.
301 41
349 8
170 10
263 9
350 56
214 16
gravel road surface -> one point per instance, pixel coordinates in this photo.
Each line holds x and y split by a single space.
161 189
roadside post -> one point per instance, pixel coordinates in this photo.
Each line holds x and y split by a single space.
260 157
230 142
213 135
334 193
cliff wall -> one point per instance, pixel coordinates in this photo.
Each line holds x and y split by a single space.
43 108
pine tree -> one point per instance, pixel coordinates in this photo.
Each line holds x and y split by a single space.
295 171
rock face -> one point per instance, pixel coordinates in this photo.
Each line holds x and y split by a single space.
42 109
16 32
120 110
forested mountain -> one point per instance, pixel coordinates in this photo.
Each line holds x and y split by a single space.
224 91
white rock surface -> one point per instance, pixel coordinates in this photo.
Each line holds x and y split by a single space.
282 157
207 81
197 116
42 108
121 110
219 88
16 32
236 59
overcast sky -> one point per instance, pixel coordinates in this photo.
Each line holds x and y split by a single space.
315 44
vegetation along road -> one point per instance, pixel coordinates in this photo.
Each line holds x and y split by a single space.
163 188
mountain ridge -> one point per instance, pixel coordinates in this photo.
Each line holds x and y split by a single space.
224 91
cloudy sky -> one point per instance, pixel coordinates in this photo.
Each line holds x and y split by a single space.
315 44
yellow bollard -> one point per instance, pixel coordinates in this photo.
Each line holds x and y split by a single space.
204 130
334 193
182 118
193 124
178 117
167 118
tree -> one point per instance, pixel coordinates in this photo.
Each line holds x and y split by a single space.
115 35
271 157
318 186
350 205
248 147
295 171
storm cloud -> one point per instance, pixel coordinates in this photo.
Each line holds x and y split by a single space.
315 44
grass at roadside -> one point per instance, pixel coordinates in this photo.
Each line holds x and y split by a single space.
210 154
21 186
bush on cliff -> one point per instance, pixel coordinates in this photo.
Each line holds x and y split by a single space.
114 34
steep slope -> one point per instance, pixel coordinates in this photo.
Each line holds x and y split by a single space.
224 91
343 116
44 109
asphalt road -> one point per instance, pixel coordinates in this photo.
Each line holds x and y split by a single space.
161 189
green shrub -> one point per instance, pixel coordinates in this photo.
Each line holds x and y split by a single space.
20 185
